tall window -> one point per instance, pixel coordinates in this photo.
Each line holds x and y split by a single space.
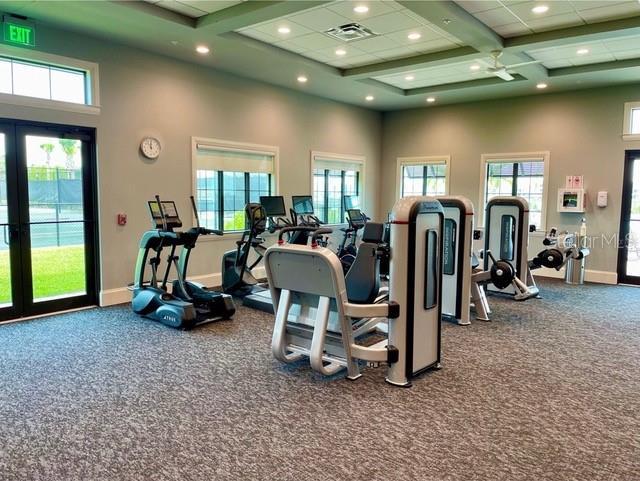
524 178
422 176
227 177
333 178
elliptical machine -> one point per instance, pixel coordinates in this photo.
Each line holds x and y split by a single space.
347 250
189 304
237 278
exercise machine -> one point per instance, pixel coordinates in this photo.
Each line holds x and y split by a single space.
348 249
237 276
560 250
189 304
506 237
316 320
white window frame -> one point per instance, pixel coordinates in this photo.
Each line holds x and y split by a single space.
487 159
347 159
271 150
424 160
92 85
627 135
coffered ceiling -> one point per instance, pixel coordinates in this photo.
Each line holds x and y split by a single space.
403 51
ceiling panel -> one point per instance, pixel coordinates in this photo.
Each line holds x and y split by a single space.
211 6
388 20
182 8
607 12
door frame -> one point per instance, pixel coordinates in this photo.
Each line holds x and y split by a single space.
625 215
91 216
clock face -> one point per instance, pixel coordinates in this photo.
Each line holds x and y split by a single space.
150 147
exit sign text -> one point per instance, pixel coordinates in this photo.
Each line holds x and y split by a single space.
24 35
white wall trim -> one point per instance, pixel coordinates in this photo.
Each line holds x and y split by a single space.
599 277
486 159
422 160
122 295
345 158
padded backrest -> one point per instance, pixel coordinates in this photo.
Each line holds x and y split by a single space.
363 278
373 232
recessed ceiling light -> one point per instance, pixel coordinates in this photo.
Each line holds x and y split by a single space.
369 98
540 9
302 79
361 9
582 51
409 78
431 99
414 36
340 52
475 67
541 86
284 30
202 49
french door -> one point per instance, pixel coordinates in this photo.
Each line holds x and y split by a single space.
48 227
629 254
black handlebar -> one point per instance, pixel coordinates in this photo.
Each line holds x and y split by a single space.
295 228
319 233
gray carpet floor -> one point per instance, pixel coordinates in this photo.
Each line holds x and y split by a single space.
550 390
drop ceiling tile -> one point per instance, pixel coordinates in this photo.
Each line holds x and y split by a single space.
551 64
391 22
512 29
433 46
314 41
523 10
289 45
589 59
181 8
345 8
626 9
496 16
623 43
355 61
426 34
350 48
271 28
258 35
588 4
319 19
319 56
375 44
398 52
627 54
473 6
555 21
211 6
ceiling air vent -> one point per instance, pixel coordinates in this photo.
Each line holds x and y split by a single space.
350 32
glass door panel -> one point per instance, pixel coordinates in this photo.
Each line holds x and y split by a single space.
56 217
5 258
629 256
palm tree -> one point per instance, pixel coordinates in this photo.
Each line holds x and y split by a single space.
48 148
70 148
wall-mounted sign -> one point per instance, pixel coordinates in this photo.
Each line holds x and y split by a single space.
19 33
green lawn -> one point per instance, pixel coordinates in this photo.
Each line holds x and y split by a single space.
56 271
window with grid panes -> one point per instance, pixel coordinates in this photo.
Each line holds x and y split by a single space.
522 178
424 179
330 185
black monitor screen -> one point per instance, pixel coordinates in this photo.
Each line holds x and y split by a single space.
351 202
170 213
273 205
302 204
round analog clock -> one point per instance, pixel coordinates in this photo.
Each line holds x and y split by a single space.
150 147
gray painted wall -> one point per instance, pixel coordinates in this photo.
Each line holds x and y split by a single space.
582 130
146 94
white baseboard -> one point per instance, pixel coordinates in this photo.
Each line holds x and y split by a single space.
122 295
599 277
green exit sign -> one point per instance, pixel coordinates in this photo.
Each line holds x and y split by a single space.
24 35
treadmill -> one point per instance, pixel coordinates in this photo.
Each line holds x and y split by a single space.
276 218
